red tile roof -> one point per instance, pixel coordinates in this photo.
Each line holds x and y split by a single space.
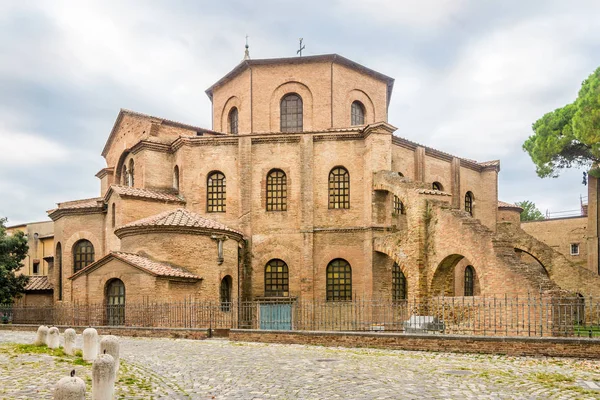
182 218
503 204
145 193
84 203
38 283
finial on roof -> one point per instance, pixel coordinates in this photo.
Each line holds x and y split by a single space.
247 52
301 47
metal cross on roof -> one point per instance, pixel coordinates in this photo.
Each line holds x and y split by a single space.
301 48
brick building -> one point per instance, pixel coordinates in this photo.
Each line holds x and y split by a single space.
299 190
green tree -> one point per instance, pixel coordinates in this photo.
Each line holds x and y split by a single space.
569 136
530 211
13 250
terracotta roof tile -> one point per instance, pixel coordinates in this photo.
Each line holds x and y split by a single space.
182 218
503 204
85 203
492 163
433 192
38 283
146 193
154 267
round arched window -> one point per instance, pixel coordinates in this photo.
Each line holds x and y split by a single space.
357 113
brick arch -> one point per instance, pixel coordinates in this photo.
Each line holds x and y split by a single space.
307 104
411 274
365 99
233 101
68 249
442 282
119 167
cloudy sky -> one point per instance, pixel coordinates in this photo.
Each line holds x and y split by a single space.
471 77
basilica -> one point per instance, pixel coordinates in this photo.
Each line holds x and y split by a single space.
299 190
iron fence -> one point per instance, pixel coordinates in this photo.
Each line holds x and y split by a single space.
492 316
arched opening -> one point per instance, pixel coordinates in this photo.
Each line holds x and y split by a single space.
469 284
176 178
216 186
276 190
437 186
58 262
469 202
398 207
115 302
225 293
232 121
339 188
83 254
276 279
357 113
113 215
531 260
130 174
291 113
399 287
339 280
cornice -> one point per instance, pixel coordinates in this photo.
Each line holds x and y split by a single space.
281 139
142 230
59 213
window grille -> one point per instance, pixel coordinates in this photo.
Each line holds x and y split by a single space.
233 121
398 206
469 281
276 279
276 191
469 203
216 192
83 254
357 113
339 280
398 284
291 113
339 188
225 293
574 249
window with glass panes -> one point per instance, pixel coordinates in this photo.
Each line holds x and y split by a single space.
398 284
83 254
276 191
339 280
216 192
339 188
233 121
357 113
276 279
291 113
469 281
469 203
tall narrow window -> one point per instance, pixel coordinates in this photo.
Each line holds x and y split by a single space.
276 190
83 254
437 186
130 174
339 188
233 121
469 203
339 280
113 215
216 192
58 262
115 302
276 279
225 293
469 280
176 178
357 113
398 206
291 113
398 284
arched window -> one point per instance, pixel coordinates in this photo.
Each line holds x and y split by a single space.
233 121
398 206
130 174
216 191
276 190
339 280
225 293
83 254
398 284
58 263
291 113
339 188
113 215
276 279
437 186
469 203
469 280
115 302
176 178
357 114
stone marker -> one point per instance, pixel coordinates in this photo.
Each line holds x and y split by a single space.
70 388
423 324
42 336
53 338
90 344
70 336
110 345
103 377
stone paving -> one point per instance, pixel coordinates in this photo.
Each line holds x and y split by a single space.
219 369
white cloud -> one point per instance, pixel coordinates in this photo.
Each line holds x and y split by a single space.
25 150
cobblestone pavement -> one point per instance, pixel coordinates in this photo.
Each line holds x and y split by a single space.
219 369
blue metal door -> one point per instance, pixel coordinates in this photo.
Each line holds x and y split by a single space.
276 316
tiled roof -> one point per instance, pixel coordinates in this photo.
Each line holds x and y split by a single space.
154 267
181 218
433 192
38 283
503 204
146 193
492 163
76 204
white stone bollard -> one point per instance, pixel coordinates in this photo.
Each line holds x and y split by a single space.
70 388
110 345
53 338
42 336
103 377
70 336
90 344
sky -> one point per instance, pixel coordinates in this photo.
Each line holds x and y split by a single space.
471 77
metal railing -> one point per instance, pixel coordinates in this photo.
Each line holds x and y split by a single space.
523 315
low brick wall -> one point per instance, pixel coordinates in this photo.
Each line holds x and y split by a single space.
183 333
514 346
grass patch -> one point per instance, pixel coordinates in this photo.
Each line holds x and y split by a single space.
587 331
551 379
31 348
